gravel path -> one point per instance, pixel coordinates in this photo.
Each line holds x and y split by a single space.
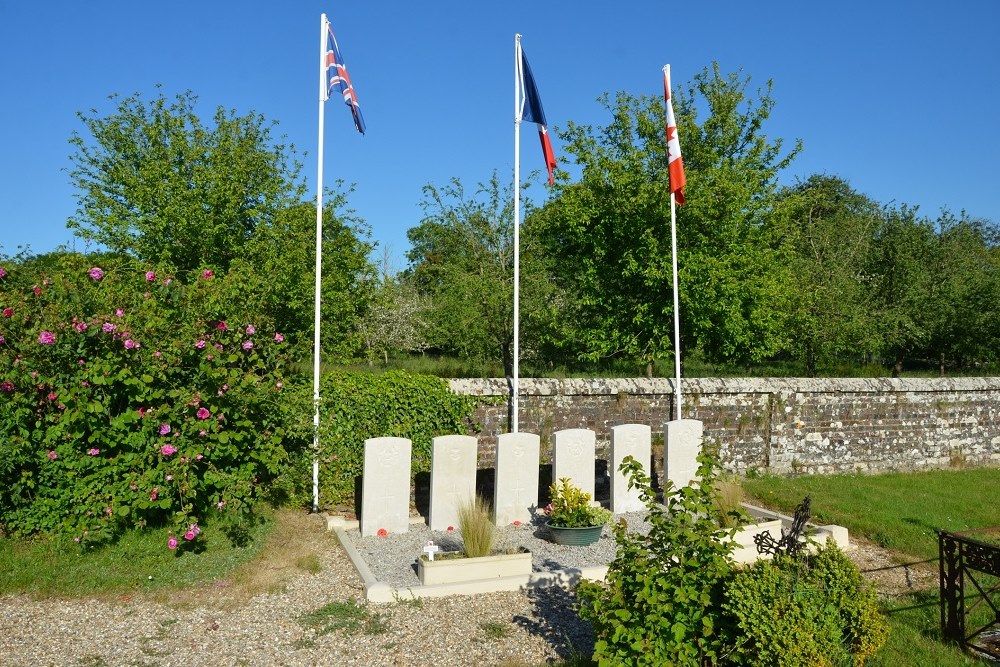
506 629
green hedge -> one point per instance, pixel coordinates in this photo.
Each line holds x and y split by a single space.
358 406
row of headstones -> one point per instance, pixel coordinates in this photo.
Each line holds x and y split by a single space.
385 492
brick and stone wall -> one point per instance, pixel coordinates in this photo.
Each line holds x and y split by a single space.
782 425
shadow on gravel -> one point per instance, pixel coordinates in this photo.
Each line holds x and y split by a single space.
555 621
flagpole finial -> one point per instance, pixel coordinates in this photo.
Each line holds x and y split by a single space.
517 36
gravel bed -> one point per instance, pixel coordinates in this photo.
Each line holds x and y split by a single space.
392 559
507 629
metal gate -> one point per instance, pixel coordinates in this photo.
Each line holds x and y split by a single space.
973 622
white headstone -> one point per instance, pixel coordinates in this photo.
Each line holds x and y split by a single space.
385 487
453 478
681 444
633 440
516 487
573 457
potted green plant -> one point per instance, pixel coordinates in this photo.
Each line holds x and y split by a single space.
573 518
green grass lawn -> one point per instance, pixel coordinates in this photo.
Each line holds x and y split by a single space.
139 561
898 511
901 512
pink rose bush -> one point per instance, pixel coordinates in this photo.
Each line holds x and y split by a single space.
103 361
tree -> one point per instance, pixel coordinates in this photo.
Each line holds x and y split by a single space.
828 230
395 316
902 282
462 259
155 182
961 315
611 231
278 269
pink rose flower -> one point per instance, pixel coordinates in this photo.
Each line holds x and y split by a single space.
199 457
168 450
6 387
172 543
37 290
108 327
8 312
203 413
222 326
130 344
46 338
170 478
93 452
247 345
200 344
251 330
52 455
207 273
52 396
81 327
119 312
278 338
96 273
189 535
150 276
164 429
3 273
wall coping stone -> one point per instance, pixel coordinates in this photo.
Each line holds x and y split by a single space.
665 386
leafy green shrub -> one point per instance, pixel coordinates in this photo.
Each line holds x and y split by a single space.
358 406
661 603
571 507
810 610
131 398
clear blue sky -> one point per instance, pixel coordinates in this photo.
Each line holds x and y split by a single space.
898 97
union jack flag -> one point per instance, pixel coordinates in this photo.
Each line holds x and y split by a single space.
338 78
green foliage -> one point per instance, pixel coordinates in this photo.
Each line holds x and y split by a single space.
277 268
462 261
609 235
156 182
828 233
661 603
131 399
812 610
358 406
570 507
479 533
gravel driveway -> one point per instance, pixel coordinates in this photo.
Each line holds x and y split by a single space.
509 629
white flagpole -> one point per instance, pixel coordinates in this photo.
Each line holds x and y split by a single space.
319 259
673 252
517 229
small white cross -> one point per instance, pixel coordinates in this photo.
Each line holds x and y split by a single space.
431 549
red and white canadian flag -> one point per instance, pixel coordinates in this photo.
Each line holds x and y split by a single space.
675 163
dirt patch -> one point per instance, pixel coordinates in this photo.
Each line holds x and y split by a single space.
894 574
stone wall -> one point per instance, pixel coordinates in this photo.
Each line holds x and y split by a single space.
783 425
